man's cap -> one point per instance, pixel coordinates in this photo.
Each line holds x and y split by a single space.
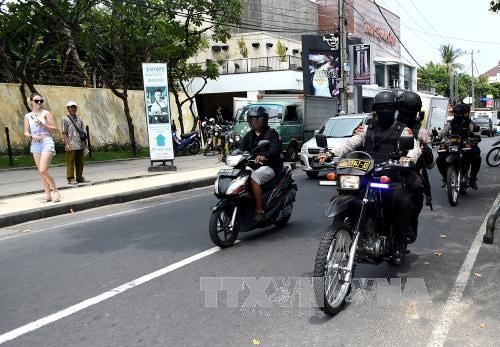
71 103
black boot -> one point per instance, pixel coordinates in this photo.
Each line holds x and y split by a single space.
473 183
411 236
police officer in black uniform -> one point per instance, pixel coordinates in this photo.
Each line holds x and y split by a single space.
380 139
462 125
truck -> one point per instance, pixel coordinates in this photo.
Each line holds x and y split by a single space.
294 116
478 114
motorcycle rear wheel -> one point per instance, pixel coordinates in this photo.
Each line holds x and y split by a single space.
218 228
493 157
333 253
195 147
452 185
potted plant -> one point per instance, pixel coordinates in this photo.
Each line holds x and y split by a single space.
242 46
281 52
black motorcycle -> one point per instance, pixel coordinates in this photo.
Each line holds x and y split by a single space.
493 156
233 212
456 150
361 229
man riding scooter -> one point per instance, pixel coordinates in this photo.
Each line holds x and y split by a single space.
267 158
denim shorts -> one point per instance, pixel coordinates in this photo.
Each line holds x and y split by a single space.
44 145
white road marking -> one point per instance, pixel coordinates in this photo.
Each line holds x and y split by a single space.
98 218
451 308
104 296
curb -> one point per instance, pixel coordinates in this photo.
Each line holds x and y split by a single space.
65 208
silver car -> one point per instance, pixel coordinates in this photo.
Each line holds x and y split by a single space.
337 130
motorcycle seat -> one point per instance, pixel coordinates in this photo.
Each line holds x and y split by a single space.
188 135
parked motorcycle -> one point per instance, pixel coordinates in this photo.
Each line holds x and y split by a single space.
233 212
493 156
361 230
188 141
455 149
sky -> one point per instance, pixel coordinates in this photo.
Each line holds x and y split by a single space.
465 24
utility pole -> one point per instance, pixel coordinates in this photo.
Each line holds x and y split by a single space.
472 69
343 54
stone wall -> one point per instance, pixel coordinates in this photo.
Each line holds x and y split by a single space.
100 109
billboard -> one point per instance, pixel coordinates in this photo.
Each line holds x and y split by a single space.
362 65
323 73
156 99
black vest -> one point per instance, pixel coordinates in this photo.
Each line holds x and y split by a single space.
460 127
380 143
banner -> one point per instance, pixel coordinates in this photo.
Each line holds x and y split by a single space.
158 111
323 73
361 64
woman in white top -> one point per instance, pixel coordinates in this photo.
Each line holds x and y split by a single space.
38 125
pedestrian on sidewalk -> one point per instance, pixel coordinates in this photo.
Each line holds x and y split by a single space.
38 127
74 144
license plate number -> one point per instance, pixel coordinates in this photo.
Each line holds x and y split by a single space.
363 165
229 172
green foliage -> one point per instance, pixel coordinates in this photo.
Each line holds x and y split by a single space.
242 46
495 6
449 56
281 50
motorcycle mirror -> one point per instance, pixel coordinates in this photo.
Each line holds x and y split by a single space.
475 128
321 141
406 143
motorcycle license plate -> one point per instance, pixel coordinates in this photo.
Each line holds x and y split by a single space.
359 164
229 172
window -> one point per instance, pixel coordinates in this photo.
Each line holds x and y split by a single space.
291 114
340 127
275 112
380 74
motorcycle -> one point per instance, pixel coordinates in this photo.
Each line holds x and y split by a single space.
233 212
493 156
188 141
455 149
361 230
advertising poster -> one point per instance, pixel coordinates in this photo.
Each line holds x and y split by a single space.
158 111
323 72
361 64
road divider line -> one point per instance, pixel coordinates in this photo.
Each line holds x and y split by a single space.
54 227
104 296
451 308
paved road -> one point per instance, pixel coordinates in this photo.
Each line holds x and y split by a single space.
64 261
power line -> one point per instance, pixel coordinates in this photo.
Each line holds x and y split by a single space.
402 44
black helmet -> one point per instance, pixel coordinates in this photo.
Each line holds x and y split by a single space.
384 105
386 99
256 113
409 102
461 109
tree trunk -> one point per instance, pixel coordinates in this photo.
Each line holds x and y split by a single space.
131 133
179 109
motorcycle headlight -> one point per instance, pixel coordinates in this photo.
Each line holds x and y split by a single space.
237 138
233 160
453 148
349 182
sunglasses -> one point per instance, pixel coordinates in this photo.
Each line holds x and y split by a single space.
39 101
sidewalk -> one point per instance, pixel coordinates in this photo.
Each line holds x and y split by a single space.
111 182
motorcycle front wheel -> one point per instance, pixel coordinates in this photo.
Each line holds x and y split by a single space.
218 228
493 157
452 185
333 255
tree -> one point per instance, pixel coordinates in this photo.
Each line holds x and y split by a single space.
435 75
281 50
495 6
449 56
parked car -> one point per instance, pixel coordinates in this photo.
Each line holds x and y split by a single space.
485 125
337 130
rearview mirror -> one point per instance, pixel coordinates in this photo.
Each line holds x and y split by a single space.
406 143
321 141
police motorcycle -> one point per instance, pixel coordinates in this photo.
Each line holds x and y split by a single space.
233 212
456 149
360 232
